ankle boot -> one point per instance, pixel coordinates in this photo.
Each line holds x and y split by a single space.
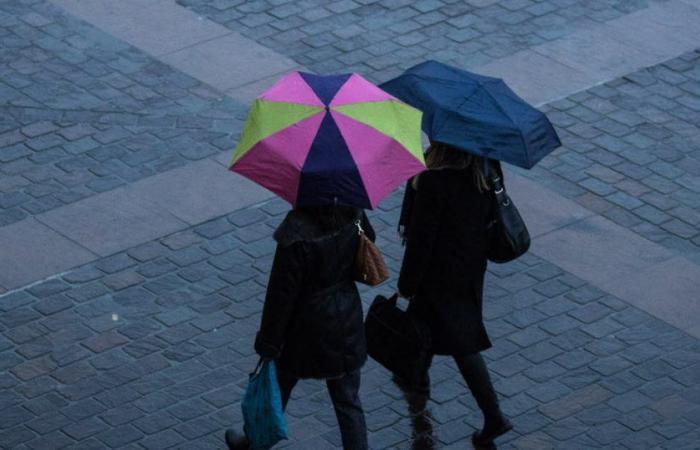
493 428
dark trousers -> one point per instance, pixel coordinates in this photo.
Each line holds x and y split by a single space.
476 375
344 394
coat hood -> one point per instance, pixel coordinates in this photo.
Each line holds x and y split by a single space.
300 225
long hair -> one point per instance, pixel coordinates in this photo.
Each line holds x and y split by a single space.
443 156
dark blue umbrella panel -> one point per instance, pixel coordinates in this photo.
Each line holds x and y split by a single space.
475 113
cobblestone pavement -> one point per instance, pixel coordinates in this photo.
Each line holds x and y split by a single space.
632 152
380 38
84 113
631 146
150 348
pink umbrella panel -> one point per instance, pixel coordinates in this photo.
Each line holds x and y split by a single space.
320 140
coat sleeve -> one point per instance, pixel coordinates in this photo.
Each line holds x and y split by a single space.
283 291
423 229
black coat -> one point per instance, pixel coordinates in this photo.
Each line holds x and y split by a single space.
445 260
312 317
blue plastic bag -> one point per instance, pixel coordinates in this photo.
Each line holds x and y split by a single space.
263 417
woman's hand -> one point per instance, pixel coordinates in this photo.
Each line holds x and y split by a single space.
402 302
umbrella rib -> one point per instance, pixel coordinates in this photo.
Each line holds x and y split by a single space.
513 122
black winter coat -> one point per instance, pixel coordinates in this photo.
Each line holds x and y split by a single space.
312 318
445 259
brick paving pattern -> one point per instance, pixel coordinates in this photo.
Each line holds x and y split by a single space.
380 38
84 113
632 152
150 348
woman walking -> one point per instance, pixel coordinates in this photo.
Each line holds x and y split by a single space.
312 318
444 222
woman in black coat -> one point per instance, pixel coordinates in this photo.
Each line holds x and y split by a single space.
312 321
446 214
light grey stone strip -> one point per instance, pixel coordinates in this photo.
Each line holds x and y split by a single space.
611 257
148 209
32 251
177 36
602 52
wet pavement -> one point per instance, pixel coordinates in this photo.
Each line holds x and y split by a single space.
151 347
147 343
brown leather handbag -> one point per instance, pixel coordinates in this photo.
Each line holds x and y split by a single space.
370 267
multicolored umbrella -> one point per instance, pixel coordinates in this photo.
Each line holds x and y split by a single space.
322 140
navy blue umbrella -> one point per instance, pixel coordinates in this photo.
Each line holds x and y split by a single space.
475 113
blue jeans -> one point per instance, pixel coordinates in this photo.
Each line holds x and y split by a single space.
346 402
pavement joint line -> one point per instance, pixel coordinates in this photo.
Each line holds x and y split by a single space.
33 283
47 225
187 47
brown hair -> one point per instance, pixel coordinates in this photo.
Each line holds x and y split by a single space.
443 156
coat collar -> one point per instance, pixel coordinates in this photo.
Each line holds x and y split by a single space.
300 226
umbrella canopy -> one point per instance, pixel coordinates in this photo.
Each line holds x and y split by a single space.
323 140
476 113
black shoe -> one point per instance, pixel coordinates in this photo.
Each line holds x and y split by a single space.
236 441
485 437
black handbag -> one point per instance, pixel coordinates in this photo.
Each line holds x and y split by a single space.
508 235
398 341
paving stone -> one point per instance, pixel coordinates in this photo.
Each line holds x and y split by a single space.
48 288
115 263
85 428
120 436
121 415
104 341
15 415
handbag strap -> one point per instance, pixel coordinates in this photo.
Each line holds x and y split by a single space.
258 366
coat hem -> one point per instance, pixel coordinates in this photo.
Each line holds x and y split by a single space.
323 376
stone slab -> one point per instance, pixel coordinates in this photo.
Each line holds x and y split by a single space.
535 77
248 92
195 45
669 290
200 191
155 26
600 53
32 251
636 40
593 53
598 250
677 23
113 221
543 210
229 61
